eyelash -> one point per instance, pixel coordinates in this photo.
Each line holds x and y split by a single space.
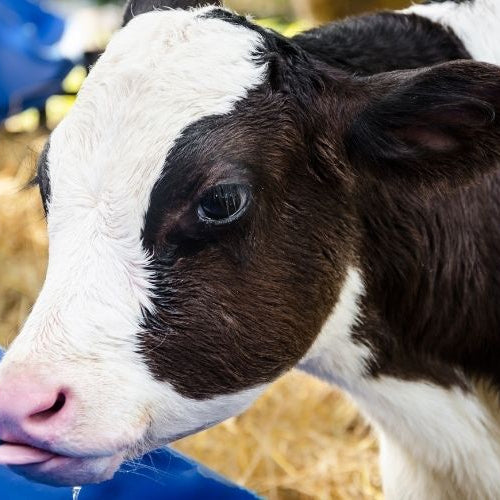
36 181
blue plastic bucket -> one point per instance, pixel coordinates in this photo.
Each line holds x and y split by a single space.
30 68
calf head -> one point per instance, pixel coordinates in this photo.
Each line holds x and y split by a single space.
202 206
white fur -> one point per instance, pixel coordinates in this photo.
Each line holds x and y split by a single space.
439 443
159 74
334 355
405 478
476 23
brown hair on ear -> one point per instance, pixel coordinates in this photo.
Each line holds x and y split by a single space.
439 123
136 7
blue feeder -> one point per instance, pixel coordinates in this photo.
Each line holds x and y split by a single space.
30 68
176 477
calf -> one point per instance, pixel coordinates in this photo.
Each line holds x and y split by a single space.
224 204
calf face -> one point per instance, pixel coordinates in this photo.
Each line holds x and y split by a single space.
202 211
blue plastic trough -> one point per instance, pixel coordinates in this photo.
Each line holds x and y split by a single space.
30 68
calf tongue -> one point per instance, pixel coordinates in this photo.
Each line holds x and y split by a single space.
17 454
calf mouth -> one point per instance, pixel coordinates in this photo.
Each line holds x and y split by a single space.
48 467
21 454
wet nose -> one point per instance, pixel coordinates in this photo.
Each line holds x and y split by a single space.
30 407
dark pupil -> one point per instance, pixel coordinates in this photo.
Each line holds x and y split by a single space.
222 201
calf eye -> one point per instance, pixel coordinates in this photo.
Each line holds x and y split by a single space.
223 203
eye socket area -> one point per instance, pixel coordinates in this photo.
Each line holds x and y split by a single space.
223 203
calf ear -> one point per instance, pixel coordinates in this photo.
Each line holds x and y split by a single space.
136 7
441 123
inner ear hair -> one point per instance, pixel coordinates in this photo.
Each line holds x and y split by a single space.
434 124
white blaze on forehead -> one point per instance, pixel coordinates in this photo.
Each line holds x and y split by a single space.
159 74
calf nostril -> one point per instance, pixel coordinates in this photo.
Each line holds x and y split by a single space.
56 407
59 402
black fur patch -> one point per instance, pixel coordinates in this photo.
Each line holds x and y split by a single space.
338 177
421 122
230 309
380 42
238 305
